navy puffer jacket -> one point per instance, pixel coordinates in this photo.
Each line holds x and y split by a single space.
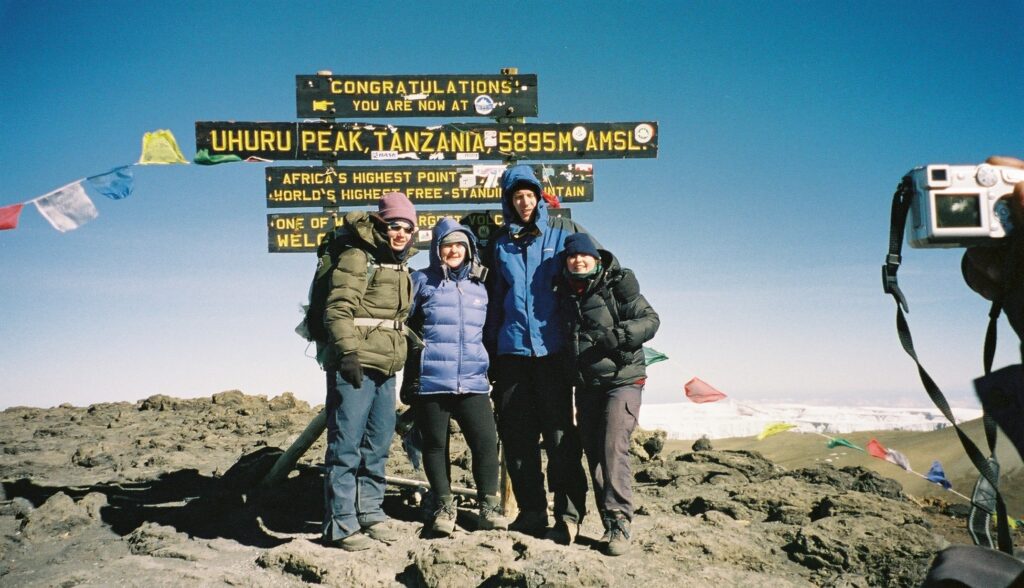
451 306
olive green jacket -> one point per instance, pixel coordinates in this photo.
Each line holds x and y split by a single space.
387 296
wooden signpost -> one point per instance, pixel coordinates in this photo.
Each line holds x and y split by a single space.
335 96
449 175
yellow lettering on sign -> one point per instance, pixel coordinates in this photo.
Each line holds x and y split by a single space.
398 106
250 140
366 105
432 176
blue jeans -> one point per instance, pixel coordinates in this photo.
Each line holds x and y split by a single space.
360 424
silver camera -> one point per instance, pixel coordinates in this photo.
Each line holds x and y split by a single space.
960 205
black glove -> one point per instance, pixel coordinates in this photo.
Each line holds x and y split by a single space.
350 369
410 387
607 340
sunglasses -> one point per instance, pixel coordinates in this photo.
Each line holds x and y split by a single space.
404 227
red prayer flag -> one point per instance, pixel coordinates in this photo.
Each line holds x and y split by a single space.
700 391
875 448
9 216
551 199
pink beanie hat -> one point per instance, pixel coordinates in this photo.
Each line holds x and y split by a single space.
396 206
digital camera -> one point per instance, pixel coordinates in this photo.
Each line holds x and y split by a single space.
960 205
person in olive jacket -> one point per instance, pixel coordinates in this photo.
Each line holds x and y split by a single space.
609 323
368 302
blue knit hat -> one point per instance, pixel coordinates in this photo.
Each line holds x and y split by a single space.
577 243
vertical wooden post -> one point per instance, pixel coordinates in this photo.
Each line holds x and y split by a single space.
508 497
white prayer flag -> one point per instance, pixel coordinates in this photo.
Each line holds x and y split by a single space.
67 208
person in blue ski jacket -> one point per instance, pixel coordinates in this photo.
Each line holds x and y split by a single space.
448 378
526 337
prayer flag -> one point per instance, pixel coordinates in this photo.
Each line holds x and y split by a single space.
653 356
701 392
938 475
840 441
9 216
893 456
551 199
875 448
774 429
159 147
115 184
203 157
67 208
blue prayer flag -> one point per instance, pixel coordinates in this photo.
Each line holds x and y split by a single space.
116 184
938 475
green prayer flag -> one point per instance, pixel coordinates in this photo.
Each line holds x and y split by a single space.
840 441
203 157
653 356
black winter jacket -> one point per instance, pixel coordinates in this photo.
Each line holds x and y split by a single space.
590 314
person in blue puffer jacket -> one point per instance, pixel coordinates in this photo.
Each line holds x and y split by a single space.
526 336
449 307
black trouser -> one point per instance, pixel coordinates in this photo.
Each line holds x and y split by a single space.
476 419
607 418
533 396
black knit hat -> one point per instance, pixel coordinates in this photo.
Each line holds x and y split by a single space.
577 243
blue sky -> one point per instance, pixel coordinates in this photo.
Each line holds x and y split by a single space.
757 233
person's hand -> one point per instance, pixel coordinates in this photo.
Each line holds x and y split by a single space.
410 388
350 369
984 268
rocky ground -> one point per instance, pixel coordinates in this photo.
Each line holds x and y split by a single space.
161 493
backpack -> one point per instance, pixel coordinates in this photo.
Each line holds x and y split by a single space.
331 246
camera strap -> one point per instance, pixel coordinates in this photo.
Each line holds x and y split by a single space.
986 497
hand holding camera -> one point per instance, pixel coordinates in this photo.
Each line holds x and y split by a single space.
962 205
992 271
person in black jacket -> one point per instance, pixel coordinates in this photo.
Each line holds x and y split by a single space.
609 323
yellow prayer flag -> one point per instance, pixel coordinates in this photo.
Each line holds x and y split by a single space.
773 429
159 147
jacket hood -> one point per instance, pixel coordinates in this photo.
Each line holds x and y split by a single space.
442 229
512 176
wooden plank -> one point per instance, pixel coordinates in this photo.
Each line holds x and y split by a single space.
305 187
327 141
298 232
392 96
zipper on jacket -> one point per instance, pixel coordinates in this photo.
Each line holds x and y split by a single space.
462 331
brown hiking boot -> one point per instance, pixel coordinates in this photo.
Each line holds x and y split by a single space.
490 517
444 517
564 532
620 539
530 522
354 542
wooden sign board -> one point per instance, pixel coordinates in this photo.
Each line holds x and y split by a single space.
469 141
299 232
344 96
303 187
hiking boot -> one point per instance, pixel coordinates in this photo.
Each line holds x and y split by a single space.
620 538
444 517
383 532
564 532
490 517
354 542
530 522
606 520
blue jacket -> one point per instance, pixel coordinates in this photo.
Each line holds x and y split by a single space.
525 317
451 306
